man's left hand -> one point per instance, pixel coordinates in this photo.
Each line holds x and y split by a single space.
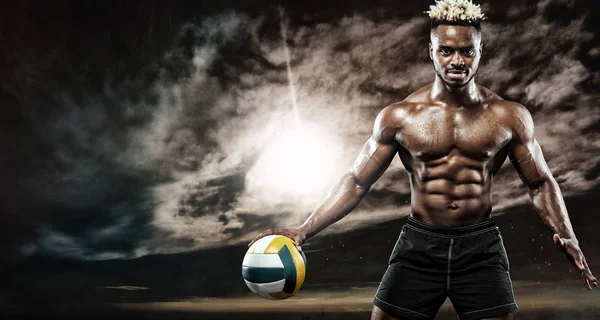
571 248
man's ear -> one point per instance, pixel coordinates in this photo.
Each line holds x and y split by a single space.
481 48
430 51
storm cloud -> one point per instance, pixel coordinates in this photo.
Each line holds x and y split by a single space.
168 157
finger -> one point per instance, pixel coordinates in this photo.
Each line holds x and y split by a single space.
586 283
579 264
260 235
576 258
584 280
573 259
297 243
590 276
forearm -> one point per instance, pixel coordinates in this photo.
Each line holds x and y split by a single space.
342 199
548 202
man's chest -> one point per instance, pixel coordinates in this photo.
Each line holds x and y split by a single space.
435 134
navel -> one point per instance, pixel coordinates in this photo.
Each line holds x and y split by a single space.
453 206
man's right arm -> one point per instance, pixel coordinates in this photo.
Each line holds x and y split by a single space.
374 158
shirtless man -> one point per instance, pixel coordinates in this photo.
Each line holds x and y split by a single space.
452 137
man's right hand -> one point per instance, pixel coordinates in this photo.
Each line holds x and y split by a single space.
295 234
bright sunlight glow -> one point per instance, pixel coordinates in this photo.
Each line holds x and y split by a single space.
299 162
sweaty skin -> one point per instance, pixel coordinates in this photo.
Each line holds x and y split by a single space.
452 137
451 153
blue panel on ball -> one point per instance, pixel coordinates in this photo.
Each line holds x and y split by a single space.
289 269
303 257
262 275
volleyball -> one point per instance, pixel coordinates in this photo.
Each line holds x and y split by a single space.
273 267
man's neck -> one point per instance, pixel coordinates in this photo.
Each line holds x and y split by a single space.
465 96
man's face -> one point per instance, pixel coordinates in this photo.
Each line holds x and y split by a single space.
455 51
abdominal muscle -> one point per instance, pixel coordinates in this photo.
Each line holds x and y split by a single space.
446 202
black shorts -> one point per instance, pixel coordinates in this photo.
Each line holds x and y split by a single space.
468 264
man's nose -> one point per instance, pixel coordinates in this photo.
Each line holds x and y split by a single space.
457 60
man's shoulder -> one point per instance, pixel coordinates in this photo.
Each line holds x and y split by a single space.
396 114
515 115
392 116
510 110
391 120
396 109
497 103
413 102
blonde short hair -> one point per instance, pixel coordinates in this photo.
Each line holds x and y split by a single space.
455 11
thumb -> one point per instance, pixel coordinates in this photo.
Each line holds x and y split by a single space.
298 241
559 242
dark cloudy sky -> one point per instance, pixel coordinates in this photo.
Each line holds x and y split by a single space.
136 128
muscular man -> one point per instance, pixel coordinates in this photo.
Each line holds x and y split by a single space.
452 137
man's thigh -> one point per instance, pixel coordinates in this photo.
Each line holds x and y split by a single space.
415 282
479 284
378 314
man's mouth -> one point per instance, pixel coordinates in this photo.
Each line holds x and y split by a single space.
456 74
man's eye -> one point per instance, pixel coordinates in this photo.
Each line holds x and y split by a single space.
471 52
444 52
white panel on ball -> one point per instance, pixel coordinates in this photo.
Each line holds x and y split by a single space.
276 286
259 260
262 245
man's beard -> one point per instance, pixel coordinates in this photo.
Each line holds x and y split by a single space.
452 84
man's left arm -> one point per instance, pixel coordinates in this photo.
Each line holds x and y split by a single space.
526 155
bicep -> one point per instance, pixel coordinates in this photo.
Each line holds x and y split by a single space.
528 160
525 152
374 158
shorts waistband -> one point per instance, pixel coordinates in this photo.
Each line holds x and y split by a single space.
460 231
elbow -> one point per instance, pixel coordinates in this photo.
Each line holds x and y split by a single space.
360 188
537 185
